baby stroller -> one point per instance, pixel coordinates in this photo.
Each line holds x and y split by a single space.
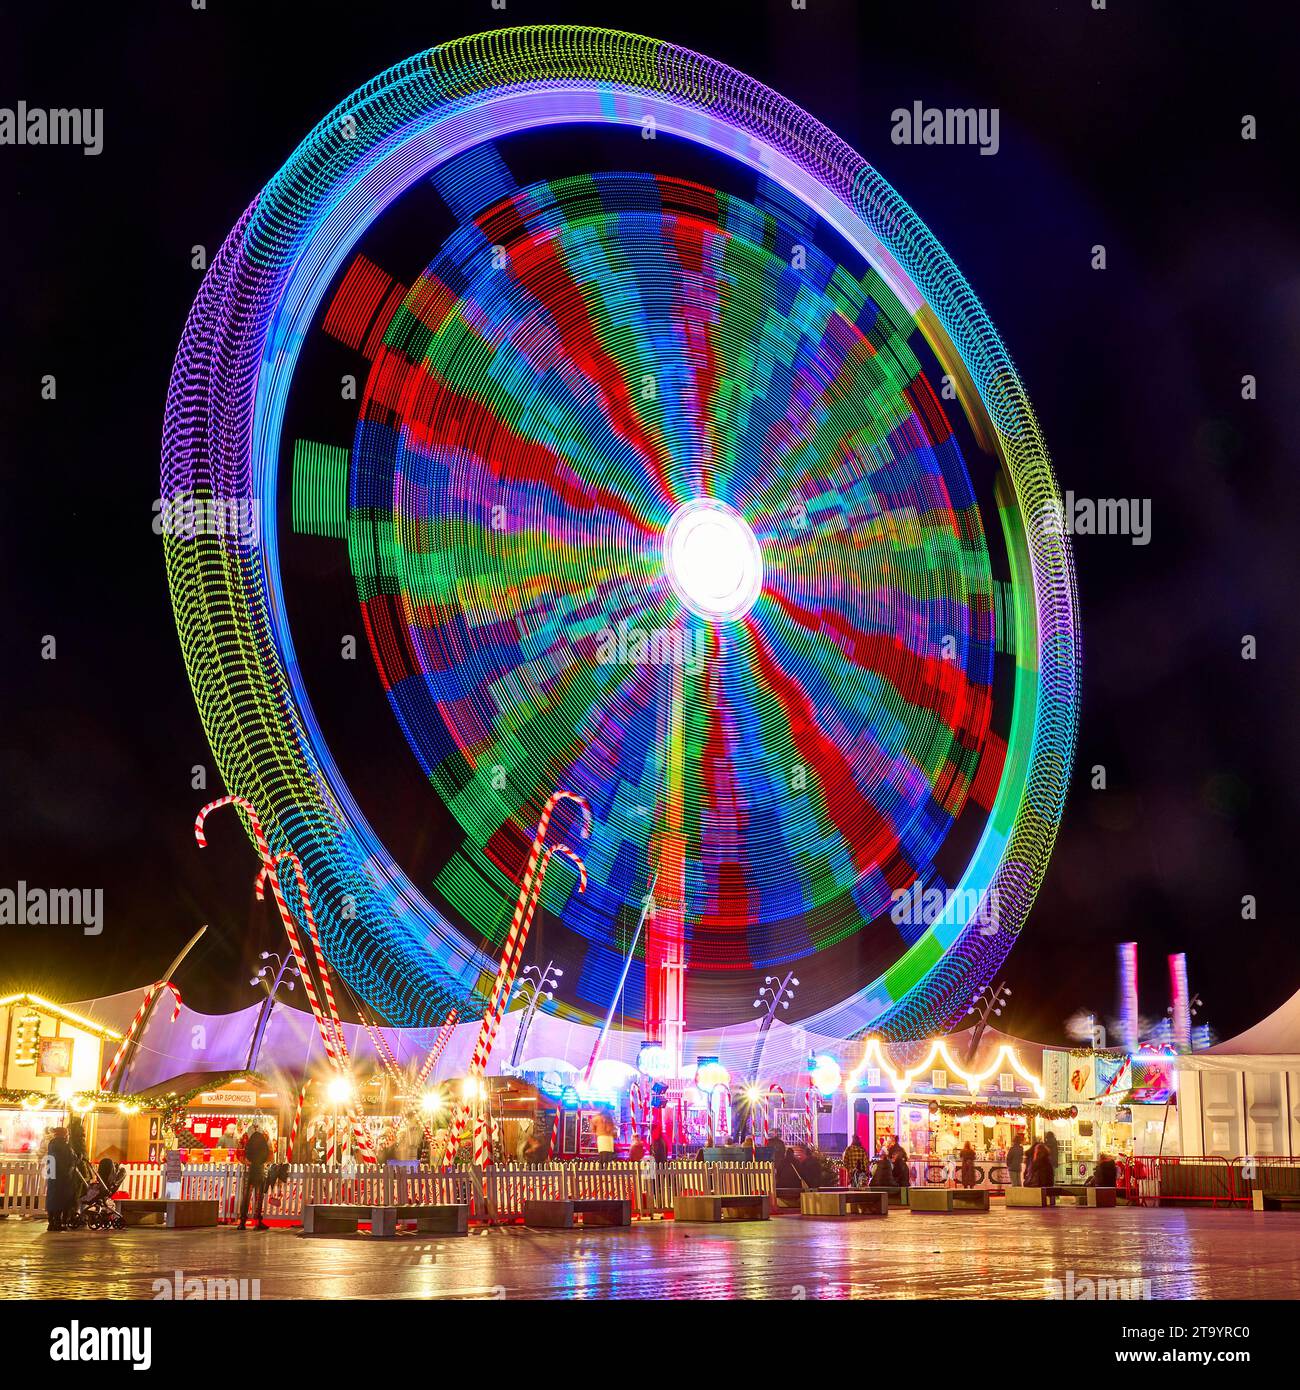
97 1211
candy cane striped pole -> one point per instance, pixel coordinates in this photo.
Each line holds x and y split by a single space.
636 1105
492 1019
483 1147
342 1062
151 992
382 1050
331 1028
808 1114
439 1043
268 872
772 1090
297 1120
516 938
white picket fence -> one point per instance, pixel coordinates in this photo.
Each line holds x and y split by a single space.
22 1187
495 1193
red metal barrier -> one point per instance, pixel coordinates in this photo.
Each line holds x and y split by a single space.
1216 1180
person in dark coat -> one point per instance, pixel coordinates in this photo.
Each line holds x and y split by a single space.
1030 1146
786 1176
257 1151
58 1180
809 1166
1015 1161
902 1173
967 1165
1041 1172
882 1172
1049 1143
537 1147
1105 1174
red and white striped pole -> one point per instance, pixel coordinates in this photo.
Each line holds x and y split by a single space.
150 993
512 954
772 1090
636 1106
297 1120
439 1043
330 1026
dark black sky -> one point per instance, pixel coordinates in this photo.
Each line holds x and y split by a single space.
1119 127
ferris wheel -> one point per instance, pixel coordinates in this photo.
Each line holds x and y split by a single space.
656 450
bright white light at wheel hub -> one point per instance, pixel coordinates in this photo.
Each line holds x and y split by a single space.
713 561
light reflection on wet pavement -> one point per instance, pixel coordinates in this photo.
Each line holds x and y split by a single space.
1185 1253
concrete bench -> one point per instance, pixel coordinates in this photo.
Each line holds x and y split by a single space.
788 1199
702 1207
845 1202
897 1195
1267 1196
176 1215
321 1219
1080 1193
563 1213
951 1200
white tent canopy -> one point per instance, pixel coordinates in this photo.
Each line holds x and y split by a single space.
1276 1035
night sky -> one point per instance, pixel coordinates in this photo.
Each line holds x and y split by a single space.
1119 128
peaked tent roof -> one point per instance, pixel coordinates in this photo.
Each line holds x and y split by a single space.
1276 1035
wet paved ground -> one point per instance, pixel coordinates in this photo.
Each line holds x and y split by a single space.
1186 1253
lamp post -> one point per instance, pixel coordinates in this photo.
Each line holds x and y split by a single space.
1194 1004
773 994
543 983
282 968
987 1004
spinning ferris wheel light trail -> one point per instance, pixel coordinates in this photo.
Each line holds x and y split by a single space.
686 472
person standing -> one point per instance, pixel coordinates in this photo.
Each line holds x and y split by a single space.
1015 1161
854 1160
58 1180
1041 1172
256 1153
1049 1144
967 1165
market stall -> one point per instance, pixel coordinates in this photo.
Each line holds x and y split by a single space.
207 1117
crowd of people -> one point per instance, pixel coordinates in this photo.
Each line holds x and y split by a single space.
889 1168
797 1166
